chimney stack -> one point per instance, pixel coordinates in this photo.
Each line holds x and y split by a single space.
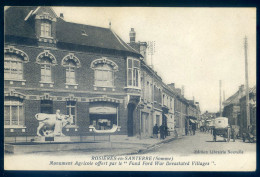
132 35
182 90
62 16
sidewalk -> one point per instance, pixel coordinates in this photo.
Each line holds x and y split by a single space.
136 145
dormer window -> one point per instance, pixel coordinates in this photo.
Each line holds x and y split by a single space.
45 29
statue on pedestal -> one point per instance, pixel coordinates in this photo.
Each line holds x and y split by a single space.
51 124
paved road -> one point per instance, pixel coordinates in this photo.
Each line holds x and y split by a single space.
202 142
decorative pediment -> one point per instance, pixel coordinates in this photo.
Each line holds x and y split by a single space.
46 54
13 50
71 97
45 13
14 94
46 96
104 60
72 57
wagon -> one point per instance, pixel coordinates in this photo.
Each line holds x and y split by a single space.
221 128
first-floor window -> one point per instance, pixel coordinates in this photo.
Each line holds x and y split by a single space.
104 75
71 110
133 72
46 71
13 111
70 75
13 67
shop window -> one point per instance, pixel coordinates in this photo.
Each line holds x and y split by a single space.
71 110
133 72
13 67
13 111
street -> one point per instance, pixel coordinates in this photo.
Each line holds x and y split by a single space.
202 143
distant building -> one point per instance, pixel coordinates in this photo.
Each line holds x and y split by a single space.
242 118
232 106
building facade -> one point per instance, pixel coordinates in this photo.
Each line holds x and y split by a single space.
85 71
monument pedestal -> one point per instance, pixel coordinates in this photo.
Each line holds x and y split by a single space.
44 139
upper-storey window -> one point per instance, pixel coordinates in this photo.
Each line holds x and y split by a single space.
70 62
46 60
70 73
13 67
45 28
13 63
133 72
104 72
104 75
46 70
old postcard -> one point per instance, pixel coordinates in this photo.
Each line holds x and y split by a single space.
129 88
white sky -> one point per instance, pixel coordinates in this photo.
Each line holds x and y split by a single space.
195 47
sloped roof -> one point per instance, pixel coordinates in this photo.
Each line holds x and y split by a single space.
66 32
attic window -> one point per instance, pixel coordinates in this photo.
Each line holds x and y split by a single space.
83 32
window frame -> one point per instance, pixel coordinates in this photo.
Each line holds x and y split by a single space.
135 70
11 103
69 106
103 80
13 58
43 29
44 65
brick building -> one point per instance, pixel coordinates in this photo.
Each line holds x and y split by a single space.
86 71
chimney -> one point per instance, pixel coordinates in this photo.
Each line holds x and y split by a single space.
62 16
241 90
132 35
172 86
143 48
182 90
110 25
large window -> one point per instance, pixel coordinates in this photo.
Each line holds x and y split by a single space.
133 73
45 29
13 67
104 75
70 73
46 106
13 111
71 110
46 70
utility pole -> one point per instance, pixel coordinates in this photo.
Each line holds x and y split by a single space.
220 104
151 51
246 80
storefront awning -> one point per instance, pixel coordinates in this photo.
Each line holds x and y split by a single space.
102 110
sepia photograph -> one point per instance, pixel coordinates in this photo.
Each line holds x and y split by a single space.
129 88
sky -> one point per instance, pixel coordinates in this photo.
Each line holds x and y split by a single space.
195 47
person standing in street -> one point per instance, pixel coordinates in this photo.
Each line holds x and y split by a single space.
162 131
155 131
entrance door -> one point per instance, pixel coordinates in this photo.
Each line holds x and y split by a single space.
145 125
130 119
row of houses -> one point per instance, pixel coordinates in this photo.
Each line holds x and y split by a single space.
235 109
85 71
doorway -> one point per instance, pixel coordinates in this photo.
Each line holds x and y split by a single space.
130 119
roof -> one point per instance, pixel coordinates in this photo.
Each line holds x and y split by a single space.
66 32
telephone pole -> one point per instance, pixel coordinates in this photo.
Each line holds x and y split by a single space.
246 80
220 104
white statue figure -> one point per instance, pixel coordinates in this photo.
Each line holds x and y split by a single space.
52 124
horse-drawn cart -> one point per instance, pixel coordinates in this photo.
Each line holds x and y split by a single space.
221 128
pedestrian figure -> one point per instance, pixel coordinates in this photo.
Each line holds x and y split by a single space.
162 131
193 128
155 131
166 131
190 130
